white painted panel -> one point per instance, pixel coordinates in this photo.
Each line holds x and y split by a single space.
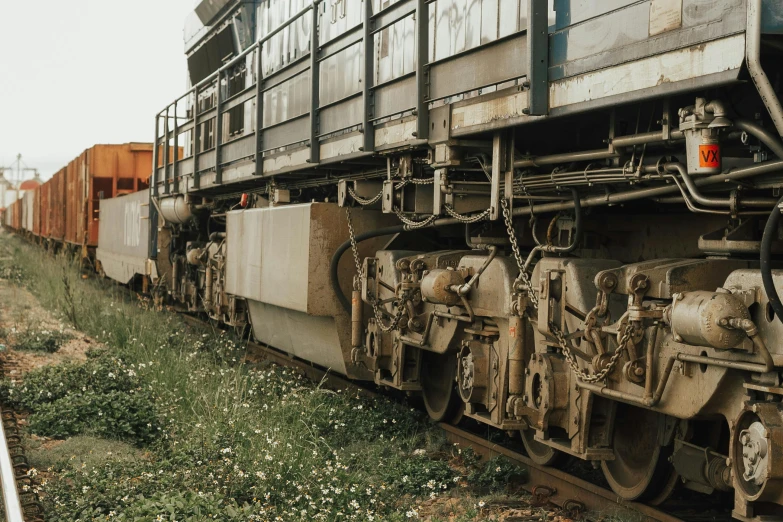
268 255
700 60
308 337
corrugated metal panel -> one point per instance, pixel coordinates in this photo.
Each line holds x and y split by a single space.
46 190
101 172
124 236
37 211
28 206
71 196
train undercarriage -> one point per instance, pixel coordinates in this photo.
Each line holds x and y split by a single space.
614 311
598 277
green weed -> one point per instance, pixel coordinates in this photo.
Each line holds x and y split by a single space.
47 341
222 441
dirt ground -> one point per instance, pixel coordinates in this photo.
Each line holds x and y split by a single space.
19 312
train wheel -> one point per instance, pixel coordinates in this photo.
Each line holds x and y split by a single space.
540 453
438 383
640 470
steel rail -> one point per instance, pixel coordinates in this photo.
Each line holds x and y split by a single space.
560 489
11 499
564 490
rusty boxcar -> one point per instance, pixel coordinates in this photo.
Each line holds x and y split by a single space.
101 172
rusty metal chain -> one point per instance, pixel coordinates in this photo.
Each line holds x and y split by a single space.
360 273
561 340
421 181
601 375
512 237
411 224
463 218
364 202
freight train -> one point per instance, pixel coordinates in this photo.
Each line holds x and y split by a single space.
559 219
63 213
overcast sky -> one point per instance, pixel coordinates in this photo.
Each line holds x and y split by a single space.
77 73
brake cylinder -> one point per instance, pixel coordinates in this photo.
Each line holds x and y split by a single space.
701 319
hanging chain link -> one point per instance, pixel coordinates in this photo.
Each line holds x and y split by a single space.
413 225
421 181
463 218
609 368
354 250
512 237
561 340
364 202
398 303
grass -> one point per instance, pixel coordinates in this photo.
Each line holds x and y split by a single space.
165 424
43 340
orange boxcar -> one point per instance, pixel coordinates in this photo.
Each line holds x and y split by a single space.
46 189
102 172
18 214
37 212
57 207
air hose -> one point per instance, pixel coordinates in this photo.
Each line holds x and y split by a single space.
333 276
770 232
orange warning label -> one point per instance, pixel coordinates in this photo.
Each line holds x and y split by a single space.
512 331
709 155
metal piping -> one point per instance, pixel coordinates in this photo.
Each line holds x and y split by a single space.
647 402
645 138
744 202
762 134
753 62
590 155
462 290
634 195
648 375
567 157
552 249
722 363
694 190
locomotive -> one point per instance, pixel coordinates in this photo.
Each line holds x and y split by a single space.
559 219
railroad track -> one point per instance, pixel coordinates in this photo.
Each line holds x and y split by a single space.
20 503
575 496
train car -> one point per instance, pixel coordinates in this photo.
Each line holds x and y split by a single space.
101 172
124 238
57 208
28 211
19 215
36 230
45 198
561 221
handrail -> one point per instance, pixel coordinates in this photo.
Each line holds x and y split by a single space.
243 54
13 505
